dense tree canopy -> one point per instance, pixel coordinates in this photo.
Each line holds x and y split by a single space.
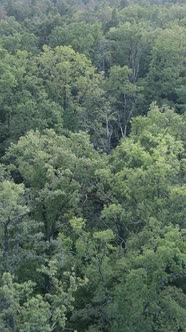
92 165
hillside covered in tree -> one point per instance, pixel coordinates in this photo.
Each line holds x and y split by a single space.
92 165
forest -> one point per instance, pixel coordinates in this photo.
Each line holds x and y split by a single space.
92 165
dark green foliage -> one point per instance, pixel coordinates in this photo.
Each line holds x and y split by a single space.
93 166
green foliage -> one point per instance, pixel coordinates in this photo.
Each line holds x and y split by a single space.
145 171
71 80
167 64
148 297
59 173
131 42
12 211
122 94
22 310
93 166
25 104
82 37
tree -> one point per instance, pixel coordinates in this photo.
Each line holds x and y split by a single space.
25 104
130 43
181 99
122 94
92 241
150 295
145 171
93 255
23 310
166 70
12 212
71 81
59 173
20 41
82 37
